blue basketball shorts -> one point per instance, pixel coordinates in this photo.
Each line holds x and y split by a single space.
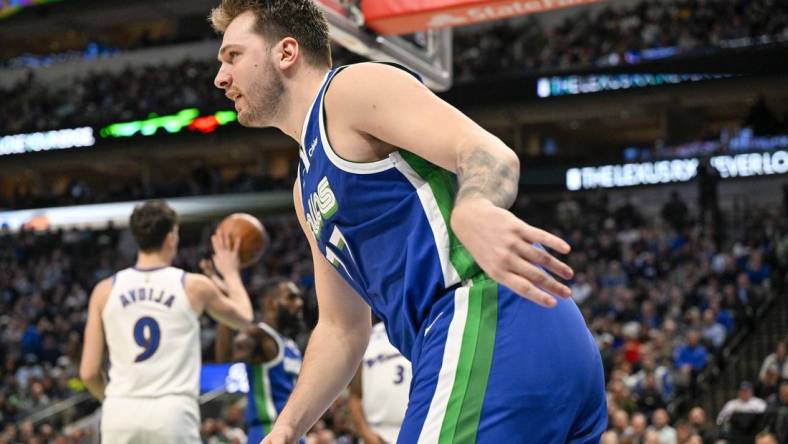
491 367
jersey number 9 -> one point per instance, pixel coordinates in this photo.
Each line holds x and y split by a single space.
147 335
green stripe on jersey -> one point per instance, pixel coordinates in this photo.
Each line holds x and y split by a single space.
443 186
461 421
261 398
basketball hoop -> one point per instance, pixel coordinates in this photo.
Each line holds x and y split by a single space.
370 31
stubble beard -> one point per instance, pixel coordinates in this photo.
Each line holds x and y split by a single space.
290 325
263 100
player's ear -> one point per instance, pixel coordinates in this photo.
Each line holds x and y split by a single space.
171 238
287 52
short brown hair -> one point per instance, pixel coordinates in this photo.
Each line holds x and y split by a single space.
150 223
277 19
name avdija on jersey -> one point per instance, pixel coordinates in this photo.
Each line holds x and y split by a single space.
322 205
146 294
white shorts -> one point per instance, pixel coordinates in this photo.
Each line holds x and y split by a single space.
169 419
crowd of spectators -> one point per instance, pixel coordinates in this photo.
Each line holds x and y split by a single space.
772 387
333 428
99 44
661 298
523 45
200 180
617 34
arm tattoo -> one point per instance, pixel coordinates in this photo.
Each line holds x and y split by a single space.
480 174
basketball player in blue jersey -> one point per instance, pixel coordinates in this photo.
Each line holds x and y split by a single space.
404 202
272 359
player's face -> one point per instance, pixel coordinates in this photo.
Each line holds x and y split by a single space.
248 74
289 309
291 300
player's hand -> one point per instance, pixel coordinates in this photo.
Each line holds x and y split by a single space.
225 253
503 246
206 266
280 435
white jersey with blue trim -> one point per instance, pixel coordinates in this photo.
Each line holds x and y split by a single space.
384 225
385 375
153 335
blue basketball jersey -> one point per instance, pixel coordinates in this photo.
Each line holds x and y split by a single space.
384 225
271 383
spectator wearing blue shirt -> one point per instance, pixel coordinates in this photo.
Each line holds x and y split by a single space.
690 359
692 355
31 340
724 317
756 270
713 332
615 276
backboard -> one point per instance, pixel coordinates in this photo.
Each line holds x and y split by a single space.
431 58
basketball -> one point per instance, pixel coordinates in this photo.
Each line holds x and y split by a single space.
251 233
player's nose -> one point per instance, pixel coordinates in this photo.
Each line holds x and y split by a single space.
223 80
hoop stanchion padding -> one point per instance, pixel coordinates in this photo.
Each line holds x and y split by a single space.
406 16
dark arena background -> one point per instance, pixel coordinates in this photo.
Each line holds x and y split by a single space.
652 135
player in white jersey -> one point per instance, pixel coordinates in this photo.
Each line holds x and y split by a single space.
148 317
379 391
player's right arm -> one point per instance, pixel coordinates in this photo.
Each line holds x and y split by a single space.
93 347
234 309
228 310
406 115
356 410
335 347
223 344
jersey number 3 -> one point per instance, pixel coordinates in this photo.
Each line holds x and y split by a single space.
147 335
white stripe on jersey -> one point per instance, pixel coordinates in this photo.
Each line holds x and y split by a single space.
451 354
438 225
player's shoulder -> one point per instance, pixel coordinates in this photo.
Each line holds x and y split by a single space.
196 283
374 69
104 286
101 292
359 81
